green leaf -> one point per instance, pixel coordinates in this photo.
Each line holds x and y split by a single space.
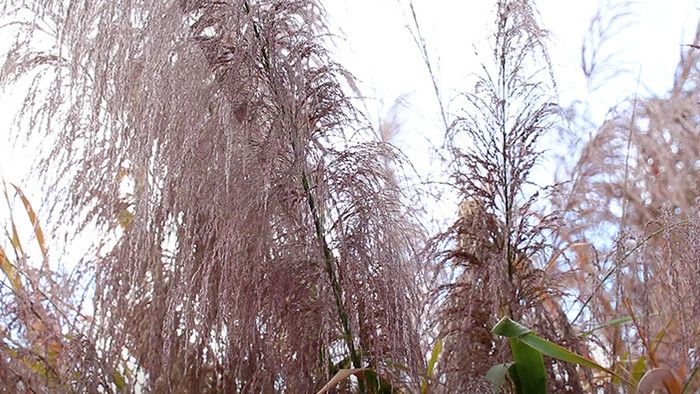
522 334
434 356
558 352
377 383
431 365
509 328
33 219
119 380
528 373
497 375
638 369
614 322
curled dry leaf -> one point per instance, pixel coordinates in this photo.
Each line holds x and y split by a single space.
660 378
340 376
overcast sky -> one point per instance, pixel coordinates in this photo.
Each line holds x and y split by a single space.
375 45
379 50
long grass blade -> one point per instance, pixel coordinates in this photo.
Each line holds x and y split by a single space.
613 323
511 329
33 219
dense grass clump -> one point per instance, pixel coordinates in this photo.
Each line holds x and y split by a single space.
252 233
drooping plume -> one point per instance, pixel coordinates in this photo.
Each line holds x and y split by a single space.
259 238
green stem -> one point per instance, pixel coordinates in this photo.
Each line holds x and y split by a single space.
335 285
328 256
327 253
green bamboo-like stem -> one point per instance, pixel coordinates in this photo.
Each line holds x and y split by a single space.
328 256
318 227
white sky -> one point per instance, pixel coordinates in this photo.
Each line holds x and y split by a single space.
386 57
380 52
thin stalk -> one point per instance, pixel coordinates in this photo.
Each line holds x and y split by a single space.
335 285
337 290
690 379
504 145
318 226
625 203
420 42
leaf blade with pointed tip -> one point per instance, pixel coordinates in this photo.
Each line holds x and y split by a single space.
509 328
434 356
615 322
33 219
431 365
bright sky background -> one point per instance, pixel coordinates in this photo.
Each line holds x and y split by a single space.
381 53
379 50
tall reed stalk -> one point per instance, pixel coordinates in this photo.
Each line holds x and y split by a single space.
498 244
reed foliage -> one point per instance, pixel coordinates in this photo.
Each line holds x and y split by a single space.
254 234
